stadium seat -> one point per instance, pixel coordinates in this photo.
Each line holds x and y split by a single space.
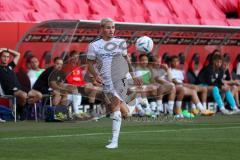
15 6
233 22
182 8
188 21
73 16
209 11
99 11
44 16
74 6
43 6
131 10
157 9
16 16
227 5
221 22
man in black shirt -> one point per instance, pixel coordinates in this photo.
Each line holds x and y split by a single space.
53 77
213 77
8 81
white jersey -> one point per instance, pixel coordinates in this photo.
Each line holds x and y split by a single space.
104 52
177 75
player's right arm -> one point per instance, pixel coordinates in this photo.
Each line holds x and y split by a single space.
92 71
91 59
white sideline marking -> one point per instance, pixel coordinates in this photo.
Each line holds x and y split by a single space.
134 132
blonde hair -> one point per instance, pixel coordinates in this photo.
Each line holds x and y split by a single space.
105 20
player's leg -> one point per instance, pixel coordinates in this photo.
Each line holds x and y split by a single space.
116 117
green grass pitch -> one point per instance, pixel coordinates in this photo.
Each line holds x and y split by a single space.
216 137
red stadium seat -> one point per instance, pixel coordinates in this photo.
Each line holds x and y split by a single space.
209 11
161 20
99 11
233 22
15 16
75 7
15 6
157 9
44 16
227 5
46 6
182 8
188 21
131 10
72 16
221 22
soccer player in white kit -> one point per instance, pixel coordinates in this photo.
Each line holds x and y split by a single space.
105 51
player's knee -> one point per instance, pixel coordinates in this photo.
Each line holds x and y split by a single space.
125 112
116 116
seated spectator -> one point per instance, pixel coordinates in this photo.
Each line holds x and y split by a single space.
148 88
33 74
212 76
193 70
35 71
9 82
74 76
54 78
233 85
188 89
161 74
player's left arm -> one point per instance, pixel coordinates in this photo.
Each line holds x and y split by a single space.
136 80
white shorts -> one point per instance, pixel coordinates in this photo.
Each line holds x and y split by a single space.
118 90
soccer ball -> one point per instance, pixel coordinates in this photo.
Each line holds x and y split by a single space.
144 44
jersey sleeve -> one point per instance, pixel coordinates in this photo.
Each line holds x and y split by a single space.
124 47
91 53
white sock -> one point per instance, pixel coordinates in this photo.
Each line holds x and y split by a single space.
116 125
179 105
170 107
159 105
204 105
193 106
77 100
145 101
138 100
200 106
